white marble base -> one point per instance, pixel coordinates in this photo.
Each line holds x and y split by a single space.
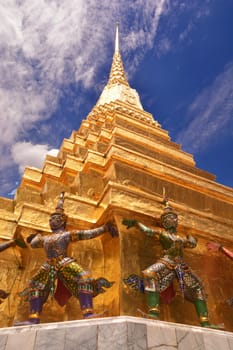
114 333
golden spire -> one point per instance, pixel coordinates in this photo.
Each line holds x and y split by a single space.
118 87
117 73
117 45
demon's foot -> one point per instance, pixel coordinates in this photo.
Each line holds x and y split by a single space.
97 315
29 322
151 315
213 326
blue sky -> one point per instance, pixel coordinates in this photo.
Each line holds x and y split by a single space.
55 59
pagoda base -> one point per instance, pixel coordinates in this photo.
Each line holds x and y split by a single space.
114 333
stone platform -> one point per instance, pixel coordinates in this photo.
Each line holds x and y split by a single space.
114 333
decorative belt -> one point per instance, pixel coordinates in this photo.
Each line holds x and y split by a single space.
54 261
59 261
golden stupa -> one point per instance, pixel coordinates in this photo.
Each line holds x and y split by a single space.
116 166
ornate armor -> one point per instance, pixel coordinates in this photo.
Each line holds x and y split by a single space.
158 278
71 278
59 266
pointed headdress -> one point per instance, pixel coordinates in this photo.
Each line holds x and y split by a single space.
59 212
169 217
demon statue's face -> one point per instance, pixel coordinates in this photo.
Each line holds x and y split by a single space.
57 221
169 221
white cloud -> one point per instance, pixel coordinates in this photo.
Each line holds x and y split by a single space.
210 113
45 44
164 46
183 17
143 31
10 27
53 152
186 31
25 153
